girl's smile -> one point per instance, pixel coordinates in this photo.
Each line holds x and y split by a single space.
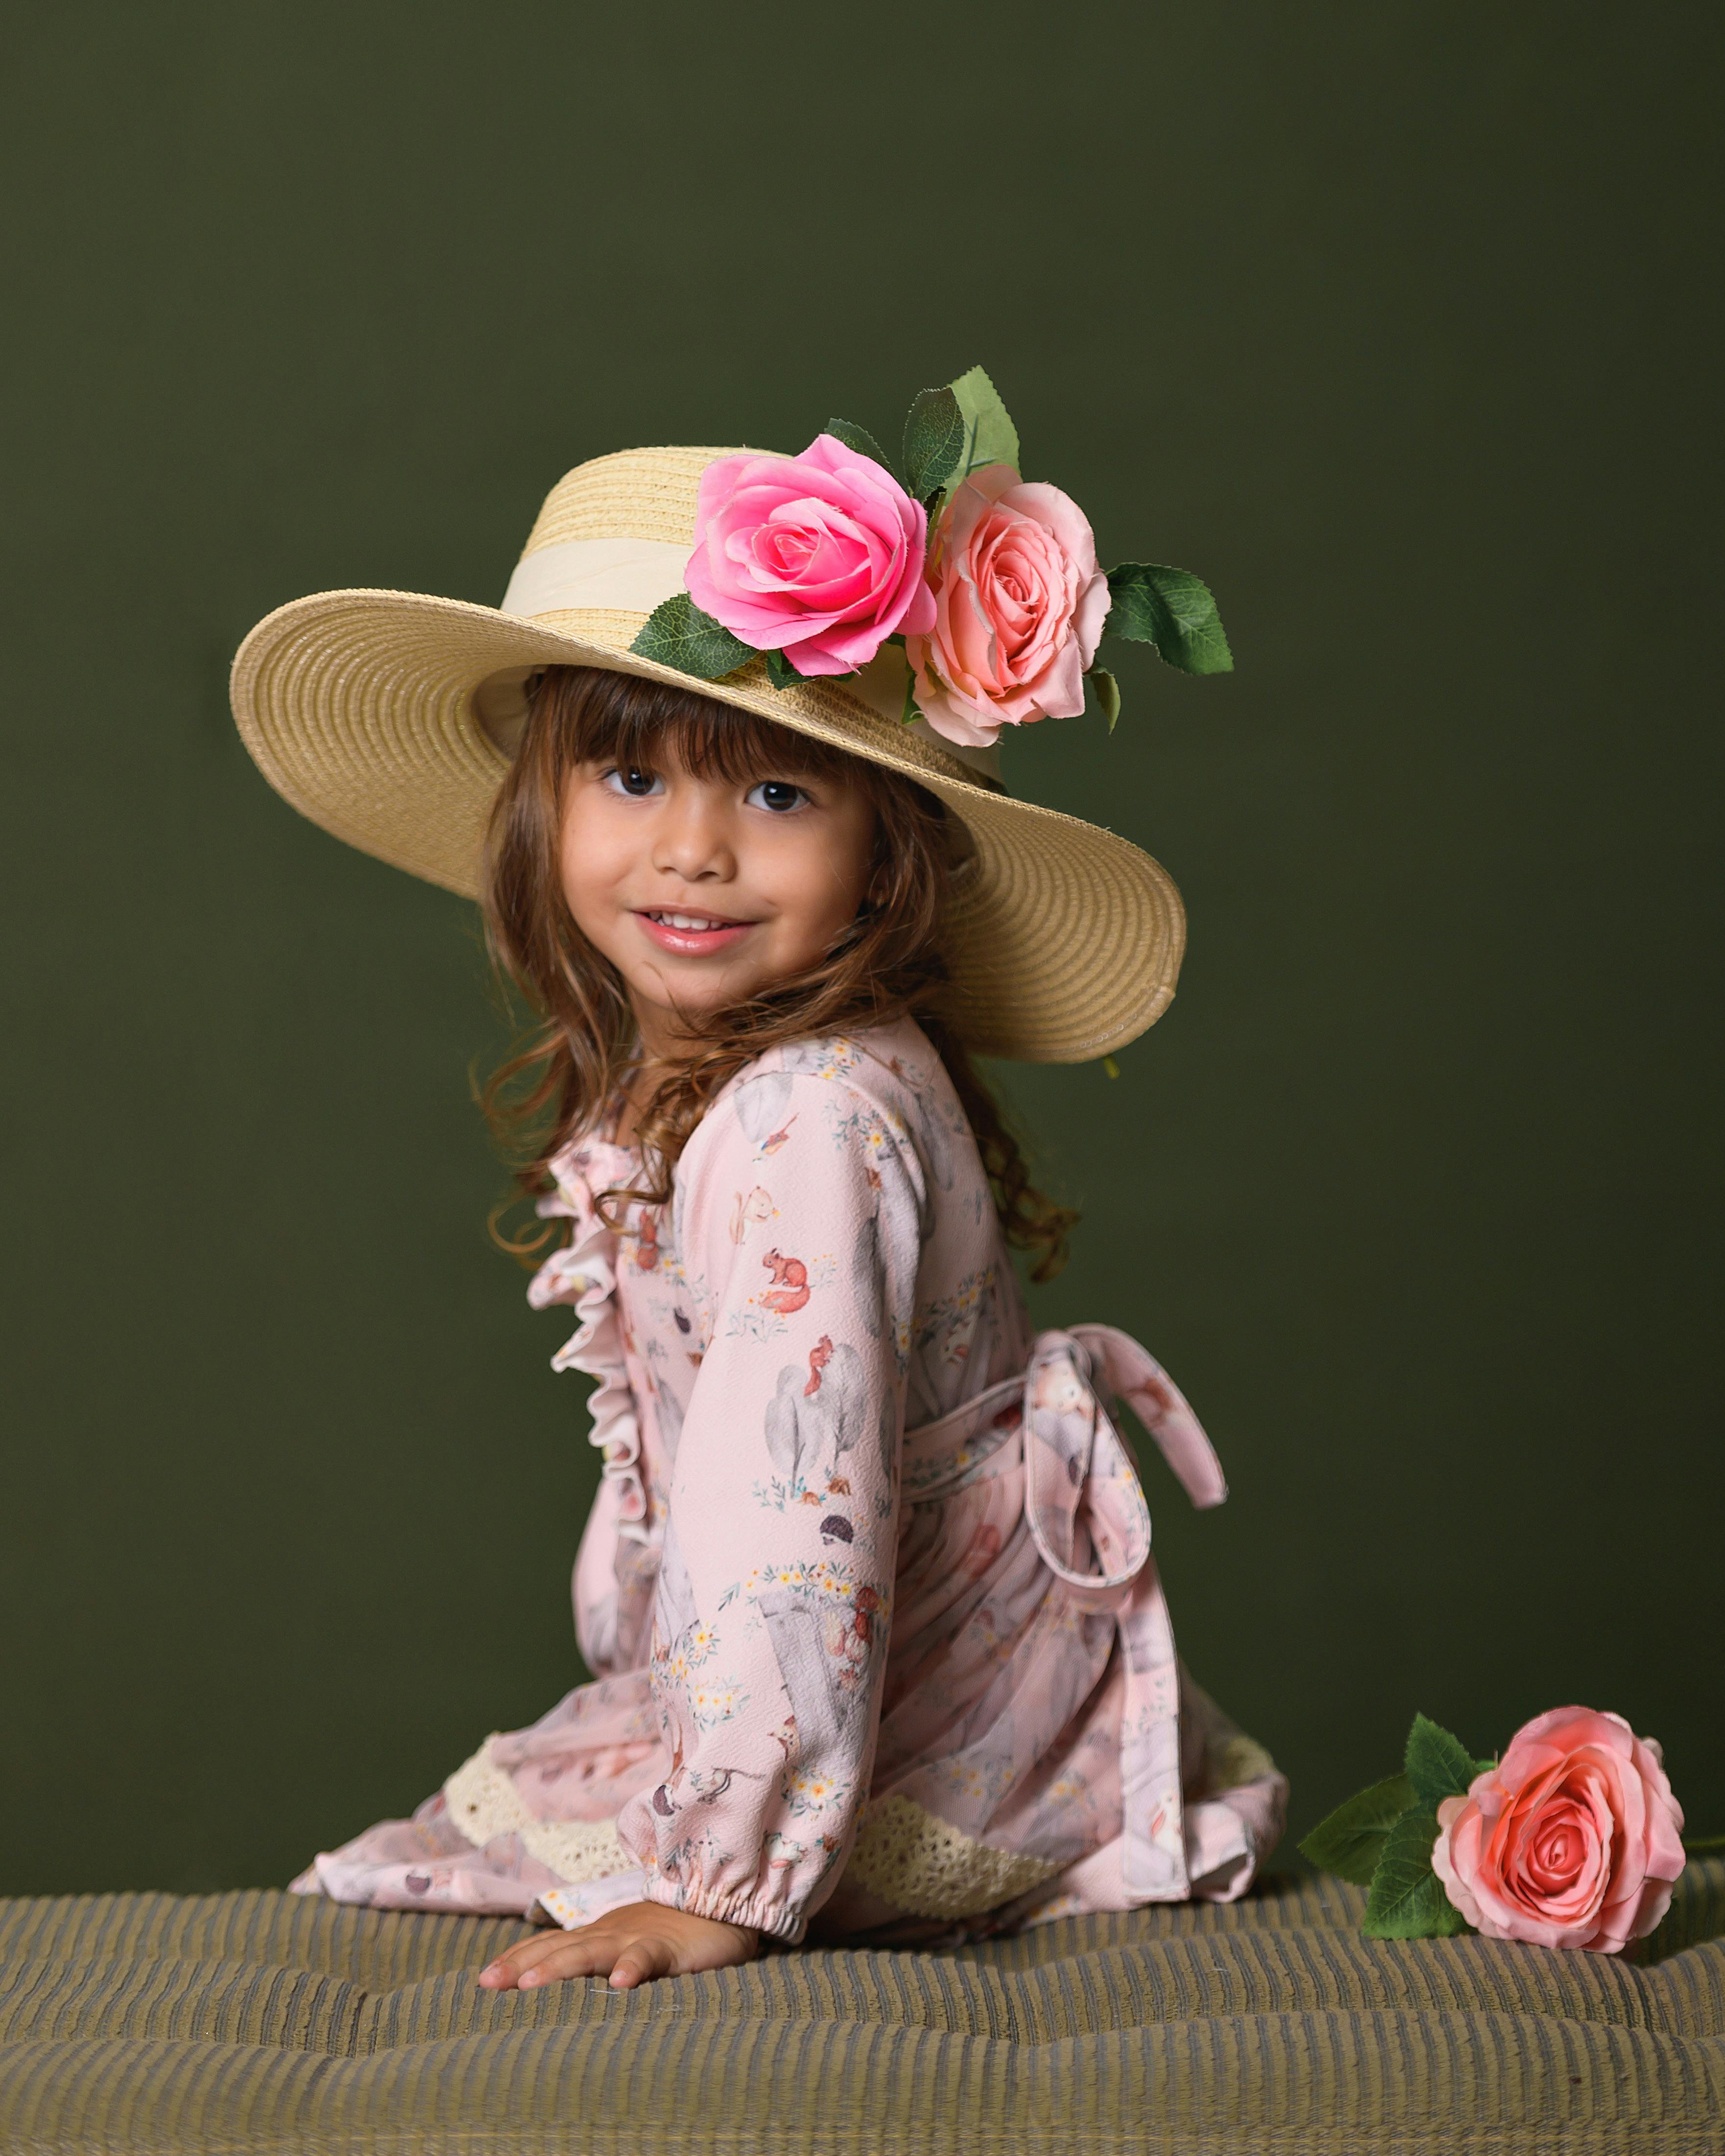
693 935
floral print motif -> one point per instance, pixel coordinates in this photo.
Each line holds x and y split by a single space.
861 1549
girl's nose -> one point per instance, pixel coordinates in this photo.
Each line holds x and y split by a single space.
692 839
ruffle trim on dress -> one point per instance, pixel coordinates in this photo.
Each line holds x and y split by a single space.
583 1273
482 1803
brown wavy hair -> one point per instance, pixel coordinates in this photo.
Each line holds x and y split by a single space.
564 1080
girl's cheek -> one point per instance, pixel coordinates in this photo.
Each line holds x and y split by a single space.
597 851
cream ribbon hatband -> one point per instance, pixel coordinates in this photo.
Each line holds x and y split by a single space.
632 574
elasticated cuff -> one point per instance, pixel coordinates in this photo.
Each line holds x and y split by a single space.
752 1910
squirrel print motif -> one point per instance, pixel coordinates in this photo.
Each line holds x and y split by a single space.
789 1292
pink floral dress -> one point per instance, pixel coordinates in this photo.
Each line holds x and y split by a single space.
867 1589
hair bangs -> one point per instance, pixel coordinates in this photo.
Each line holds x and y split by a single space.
620 718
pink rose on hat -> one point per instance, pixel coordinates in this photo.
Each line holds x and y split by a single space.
1019 605
1572 1839
819 556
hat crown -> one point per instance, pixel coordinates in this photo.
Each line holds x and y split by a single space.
633 494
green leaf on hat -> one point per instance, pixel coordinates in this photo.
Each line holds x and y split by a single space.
934 442
1351 1841
861 440
912 711
780 672
991 437
1107 691
1172 609
678 633
1407 1900
1437 1764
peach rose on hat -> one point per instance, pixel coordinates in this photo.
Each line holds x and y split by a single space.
1019 605
818 556
1574 1839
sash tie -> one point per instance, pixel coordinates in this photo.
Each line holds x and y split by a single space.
1083 1505
1083 1502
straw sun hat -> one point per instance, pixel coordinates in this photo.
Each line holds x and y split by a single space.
389 717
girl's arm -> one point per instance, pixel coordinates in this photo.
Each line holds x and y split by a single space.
799 1213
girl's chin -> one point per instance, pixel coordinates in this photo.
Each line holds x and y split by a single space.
687 991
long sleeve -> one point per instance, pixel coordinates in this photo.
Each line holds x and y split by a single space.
797 1220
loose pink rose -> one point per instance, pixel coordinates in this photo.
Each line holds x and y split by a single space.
818 556
1572 1839
1019 604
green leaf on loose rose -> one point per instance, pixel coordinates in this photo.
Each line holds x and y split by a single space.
1407 1900
991 437
678 633
862 441
780 672
934 442
1437 1764
1350 1841
1107 691
1154 604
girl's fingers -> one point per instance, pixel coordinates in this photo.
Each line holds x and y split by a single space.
639 1962
509 1968
575 1957
630 1946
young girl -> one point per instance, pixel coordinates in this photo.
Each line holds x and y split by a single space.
877 1642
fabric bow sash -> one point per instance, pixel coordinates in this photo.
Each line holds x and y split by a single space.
1083 1502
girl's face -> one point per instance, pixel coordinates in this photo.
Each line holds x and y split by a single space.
702 891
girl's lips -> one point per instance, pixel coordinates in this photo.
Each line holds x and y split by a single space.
691 942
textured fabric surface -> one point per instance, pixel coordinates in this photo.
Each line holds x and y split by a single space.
269 2021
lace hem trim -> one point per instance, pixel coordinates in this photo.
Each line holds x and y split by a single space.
1237 1760
483 1803
927 1867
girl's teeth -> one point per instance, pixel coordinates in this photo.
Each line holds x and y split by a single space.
688 920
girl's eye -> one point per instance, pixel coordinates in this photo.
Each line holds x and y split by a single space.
630 780
777 795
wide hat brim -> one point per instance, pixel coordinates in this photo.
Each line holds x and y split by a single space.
368 710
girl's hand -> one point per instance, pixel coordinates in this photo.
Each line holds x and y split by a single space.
630 1945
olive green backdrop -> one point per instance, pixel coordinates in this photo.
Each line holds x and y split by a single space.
1389 319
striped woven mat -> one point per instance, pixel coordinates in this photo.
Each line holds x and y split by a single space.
235 2022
